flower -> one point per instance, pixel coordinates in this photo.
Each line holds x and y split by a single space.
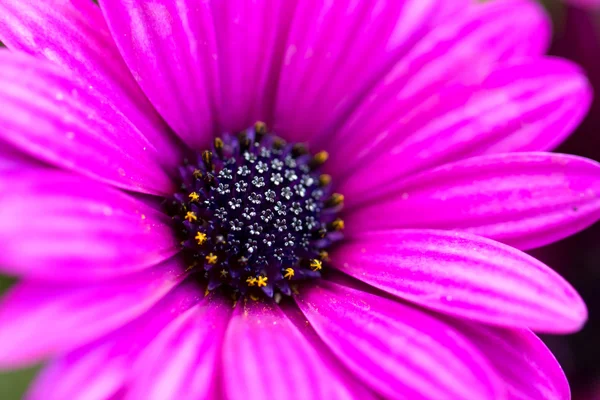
133 198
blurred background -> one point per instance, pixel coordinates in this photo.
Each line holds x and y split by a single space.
576 37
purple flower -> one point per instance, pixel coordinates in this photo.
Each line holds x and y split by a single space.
169 251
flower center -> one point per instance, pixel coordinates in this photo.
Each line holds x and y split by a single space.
255 214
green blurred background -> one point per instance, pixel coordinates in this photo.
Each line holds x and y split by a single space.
13 384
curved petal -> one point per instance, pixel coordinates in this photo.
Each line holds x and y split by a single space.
171 50
465 275
39 320
397 350
266 357
182 362
526 200
459 53
525 364
529 105
54 118
100 369
61 227
74 35
324 72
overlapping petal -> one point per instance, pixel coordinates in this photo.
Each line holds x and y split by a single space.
526 365
170 48
40 319
522 199
525 105
464 275
102 368
324 70
398 351
48 115
62 227
183 361
73 35
461 52
266 356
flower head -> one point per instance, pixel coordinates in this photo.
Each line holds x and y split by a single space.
364 241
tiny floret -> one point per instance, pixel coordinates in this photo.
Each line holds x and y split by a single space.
191 216
289 273
316 265
211 258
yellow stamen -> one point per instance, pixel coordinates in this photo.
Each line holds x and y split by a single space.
251 281
260 127
211 258
321 157
224 273
316 265
191 216
262 281
335 200
197 174
218 143
338 224
289 273
200 237
324 179
324 255
253 297
194 196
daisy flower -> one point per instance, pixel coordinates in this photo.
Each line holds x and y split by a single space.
251 199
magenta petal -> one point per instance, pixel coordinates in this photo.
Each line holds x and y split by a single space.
463 51
74 35
50 116
397 350
529 105
251 37
58 226
465 275
266 357
324 72
526 200
170 48
181 363
525 364
40 319
100 369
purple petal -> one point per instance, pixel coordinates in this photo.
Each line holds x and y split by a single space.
527 105
395 349
41 319
461 52
527 367
100 369
267 356
74 35
526 200
465 275
56 119
324 72
251 37
58 226
182 361
170 48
